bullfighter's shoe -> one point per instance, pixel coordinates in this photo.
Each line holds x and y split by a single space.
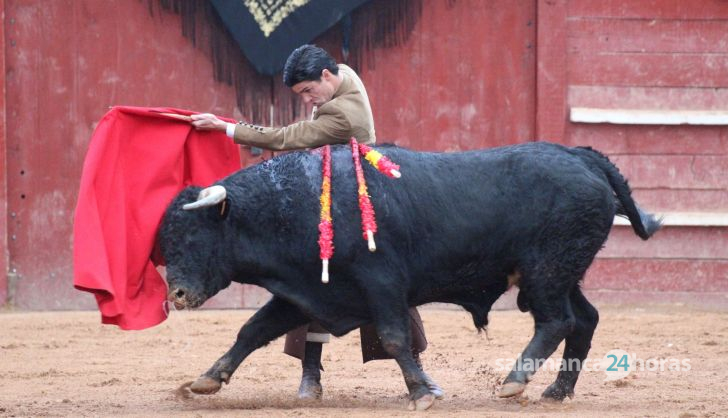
311 388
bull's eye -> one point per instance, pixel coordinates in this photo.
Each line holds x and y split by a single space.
179 294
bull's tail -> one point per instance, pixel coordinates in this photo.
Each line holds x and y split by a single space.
644 224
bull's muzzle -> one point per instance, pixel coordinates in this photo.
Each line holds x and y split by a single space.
178 297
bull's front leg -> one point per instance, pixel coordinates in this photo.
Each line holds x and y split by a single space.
392 323
270 322
395 335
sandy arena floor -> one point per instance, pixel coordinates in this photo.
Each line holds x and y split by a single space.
68 364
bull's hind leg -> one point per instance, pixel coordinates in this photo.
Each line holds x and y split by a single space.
554 320
576 349
270 322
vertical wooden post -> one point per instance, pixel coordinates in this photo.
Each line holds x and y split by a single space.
3 169
551 67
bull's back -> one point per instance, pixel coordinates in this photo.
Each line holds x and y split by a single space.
486 203
467 206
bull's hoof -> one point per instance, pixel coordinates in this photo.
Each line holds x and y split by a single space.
310 390
423 403
205 385
556 393
511 389
434 388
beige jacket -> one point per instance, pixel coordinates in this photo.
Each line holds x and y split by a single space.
347 114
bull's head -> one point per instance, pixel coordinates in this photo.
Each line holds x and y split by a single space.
191 240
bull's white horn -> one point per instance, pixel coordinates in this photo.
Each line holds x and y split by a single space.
208 197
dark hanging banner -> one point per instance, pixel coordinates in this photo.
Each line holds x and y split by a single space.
267 31
376 24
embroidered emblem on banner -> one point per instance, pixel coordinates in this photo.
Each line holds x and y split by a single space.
270 13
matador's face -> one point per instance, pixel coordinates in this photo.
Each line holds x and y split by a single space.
318 92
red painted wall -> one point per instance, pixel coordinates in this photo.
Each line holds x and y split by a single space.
472 74
67 62
464 80
3 174
636 55
669 55
71 60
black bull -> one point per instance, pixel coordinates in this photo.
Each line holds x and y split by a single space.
458 228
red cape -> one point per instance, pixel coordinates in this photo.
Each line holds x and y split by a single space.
137 161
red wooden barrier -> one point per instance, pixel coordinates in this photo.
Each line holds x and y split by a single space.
3 174
472 74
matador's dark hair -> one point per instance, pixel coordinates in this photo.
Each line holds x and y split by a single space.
306 64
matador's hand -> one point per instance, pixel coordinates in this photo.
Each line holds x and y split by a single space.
207 122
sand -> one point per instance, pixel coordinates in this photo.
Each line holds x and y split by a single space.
68 364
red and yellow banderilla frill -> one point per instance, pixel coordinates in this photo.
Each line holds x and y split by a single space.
368 222
379 161
326 229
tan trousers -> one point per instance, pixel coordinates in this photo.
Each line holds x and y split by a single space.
371 346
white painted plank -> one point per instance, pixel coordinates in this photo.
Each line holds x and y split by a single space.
686 219
648 117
